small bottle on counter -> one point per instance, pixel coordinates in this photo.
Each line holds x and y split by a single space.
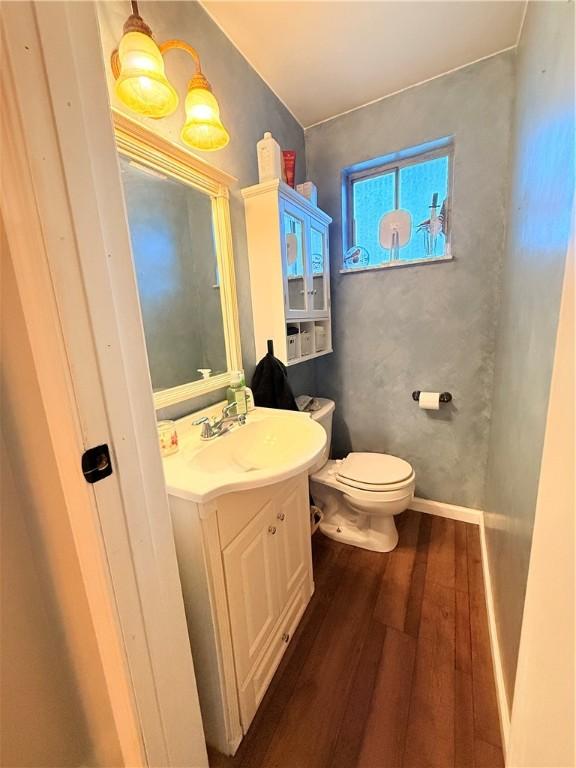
236 392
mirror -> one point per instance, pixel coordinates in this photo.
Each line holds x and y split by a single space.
178 217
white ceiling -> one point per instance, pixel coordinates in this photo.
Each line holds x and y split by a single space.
323 58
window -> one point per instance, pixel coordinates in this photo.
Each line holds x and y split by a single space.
398 212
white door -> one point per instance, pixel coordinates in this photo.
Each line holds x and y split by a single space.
63 210
250 568
293 523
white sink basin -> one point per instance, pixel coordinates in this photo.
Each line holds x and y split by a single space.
272 446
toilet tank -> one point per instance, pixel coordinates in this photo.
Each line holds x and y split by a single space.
324 417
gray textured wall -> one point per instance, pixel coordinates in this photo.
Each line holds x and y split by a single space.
429 327
540 204
248 108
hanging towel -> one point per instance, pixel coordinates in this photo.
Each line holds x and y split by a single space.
270 385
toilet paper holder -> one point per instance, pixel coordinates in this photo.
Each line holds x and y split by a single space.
445 397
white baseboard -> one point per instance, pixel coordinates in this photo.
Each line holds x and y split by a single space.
452 511
495 646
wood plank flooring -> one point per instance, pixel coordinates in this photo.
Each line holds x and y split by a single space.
390 666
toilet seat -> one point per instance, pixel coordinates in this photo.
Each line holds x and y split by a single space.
374 472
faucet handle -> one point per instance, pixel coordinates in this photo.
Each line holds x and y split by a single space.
241 418
227 409
207 425
207 430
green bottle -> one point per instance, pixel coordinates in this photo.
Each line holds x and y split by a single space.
236 392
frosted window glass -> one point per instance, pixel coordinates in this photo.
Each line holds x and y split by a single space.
421 191
421 185
372 198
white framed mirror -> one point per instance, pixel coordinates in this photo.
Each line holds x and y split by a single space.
179 220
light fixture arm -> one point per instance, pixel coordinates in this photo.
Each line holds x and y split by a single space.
170 45
198 80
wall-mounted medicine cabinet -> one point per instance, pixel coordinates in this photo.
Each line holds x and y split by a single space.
289 272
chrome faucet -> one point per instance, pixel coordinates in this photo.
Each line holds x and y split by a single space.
212 428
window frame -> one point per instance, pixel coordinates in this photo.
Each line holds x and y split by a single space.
380 167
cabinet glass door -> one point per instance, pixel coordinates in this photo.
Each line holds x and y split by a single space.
318 267
293 253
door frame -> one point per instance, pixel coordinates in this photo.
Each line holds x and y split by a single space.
63 211
543 709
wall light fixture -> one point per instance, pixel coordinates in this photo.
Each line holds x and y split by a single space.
142 85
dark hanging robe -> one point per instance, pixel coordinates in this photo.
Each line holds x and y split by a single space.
270 385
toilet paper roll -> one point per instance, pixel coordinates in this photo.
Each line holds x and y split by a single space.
429 401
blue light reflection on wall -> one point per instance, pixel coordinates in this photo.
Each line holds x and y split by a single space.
547 165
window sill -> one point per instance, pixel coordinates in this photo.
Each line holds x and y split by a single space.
394 264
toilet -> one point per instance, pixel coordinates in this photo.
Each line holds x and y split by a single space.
359 495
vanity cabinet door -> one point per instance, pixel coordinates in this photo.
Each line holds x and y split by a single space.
251 571
294 561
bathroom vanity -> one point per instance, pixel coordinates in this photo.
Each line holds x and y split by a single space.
240 513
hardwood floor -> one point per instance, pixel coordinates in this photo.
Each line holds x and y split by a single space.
391 664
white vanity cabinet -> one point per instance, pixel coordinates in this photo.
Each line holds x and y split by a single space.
289 272
246 571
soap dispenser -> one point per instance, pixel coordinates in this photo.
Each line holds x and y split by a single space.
236 392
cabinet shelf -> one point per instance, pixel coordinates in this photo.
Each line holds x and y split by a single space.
304 358
289 271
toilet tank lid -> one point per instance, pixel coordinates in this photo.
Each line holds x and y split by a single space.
326 407
374 468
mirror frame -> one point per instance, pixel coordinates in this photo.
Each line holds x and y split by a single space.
135 141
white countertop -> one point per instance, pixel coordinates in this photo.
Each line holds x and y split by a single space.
272 446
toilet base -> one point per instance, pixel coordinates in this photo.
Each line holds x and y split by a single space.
378 534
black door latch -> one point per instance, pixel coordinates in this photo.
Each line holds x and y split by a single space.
96 463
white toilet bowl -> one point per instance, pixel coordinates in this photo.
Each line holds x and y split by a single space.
354 514
360 495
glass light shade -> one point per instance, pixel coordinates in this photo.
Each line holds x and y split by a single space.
142 84
203 128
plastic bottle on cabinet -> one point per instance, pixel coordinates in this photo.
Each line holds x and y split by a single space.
269 158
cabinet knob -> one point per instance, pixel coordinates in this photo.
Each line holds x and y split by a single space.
281 516
272 529
286 637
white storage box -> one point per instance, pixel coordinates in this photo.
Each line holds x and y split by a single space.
306 343
293 346
309 191
320 337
